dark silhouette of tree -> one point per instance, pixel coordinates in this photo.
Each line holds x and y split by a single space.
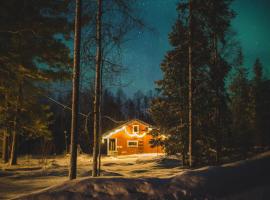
75 93
5 155
218 16
241 110
258 98
192 91
97 89
30 43
190 88
14 146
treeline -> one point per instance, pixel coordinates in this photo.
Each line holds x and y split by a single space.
209 109
117 108
250 110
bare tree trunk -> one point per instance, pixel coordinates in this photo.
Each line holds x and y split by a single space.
99 152
217 110
14 146
100 125
190 86
5 136
13 153
75 93
183 157
97 90
5 147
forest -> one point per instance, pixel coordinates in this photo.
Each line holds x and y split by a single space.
62 83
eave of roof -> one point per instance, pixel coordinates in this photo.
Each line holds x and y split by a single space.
128 122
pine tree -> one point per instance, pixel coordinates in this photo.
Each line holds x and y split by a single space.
31 56
241 109
261 100
217 16
175 91
257 88
193 84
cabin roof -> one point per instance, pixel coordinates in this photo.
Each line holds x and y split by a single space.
126 123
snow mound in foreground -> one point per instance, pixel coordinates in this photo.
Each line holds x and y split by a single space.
248 179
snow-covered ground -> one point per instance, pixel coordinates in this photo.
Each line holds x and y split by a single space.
149 177
33 174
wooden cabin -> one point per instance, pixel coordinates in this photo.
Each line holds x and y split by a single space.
129 138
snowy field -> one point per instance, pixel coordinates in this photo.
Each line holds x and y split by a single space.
33 174
139 177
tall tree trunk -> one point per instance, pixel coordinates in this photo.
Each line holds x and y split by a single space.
5 147
75 93
190 86
99 151
5 136
100 124
183 158
13 153
218 102
14 146
97 89
100 132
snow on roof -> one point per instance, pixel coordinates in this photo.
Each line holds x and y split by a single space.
125 124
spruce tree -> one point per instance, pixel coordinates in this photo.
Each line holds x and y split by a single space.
32 55
258 98
174 87
241 109
217 16
200 43
261 101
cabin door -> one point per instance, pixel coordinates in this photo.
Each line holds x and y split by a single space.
112 144
140 146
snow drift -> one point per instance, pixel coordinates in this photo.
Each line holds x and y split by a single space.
249 179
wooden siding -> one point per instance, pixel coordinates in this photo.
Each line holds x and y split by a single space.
143 142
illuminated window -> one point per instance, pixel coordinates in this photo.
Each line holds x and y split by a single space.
135 128
132 143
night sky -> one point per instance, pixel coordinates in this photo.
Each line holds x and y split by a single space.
143 54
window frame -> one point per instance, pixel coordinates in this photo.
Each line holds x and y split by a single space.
136 141
138 128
